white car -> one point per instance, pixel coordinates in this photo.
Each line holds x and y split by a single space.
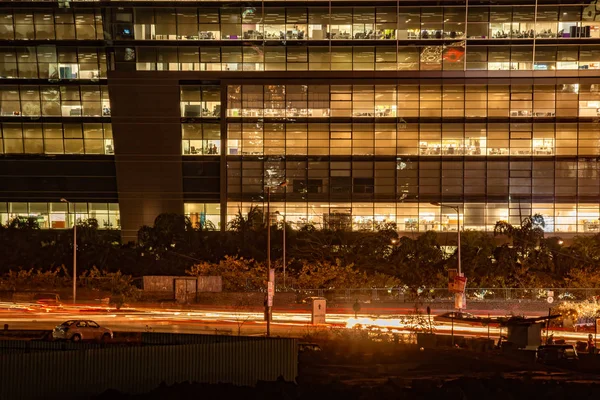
77 330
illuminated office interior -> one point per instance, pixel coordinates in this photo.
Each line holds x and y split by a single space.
369 112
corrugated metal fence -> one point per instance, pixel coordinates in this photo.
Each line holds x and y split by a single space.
37 346
89 372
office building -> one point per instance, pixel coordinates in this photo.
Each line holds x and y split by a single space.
369 111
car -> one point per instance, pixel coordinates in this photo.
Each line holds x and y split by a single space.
78 330
456 317
308 347
556 354
47 300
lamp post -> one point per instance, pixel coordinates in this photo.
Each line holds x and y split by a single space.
268 304
74 250
284 246
457 209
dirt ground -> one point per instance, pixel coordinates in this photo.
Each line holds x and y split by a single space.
360 362
402 373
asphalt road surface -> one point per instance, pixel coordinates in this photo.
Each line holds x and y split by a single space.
233 321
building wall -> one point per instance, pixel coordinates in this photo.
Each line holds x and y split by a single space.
147 136
490 107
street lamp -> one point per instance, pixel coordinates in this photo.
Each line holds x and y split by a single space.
457 209
268 310
63 200
283 261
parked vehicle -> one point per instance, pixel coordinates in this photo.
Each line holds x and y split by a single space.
47 300
77 330
457 317
557 354
308 347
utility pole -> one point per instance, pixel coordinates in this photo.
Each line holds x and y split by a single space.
457 209
74 250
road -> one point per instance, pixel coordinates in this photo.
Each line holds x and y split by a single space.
295 323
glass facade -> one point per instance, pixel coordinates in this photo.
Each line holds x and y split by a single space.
425 138
51 24
252 57
62 215
52 62
56 138
54 101
343 23
369 113
396 37
413 101
409 180
207 216
54 113
417 217
201 139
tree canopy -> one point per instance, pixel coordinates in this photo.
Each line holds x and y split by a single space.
514 256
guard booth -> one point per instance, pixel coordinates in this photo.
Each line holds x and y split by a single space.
525 334
319 310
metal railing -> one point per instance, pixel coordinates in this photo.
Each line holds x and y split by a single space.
403 295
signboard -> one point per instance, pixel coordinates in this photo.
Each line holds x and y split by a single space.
270 293
319 311
456 283
452 273
460 282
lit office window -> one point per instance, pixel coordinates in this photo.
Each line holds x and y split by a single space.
59 24
56 138
62 215
201 139
418 217
56 101
200 102
204 215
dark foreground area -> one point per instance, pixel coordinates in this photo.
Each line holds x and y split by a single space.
494 388
368 370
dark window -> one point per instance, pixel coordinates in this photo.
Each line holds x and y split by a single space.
364 185
309 186
342 184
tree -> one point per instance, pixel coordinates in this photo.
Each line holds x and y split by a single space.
35 279
419 262
368 250
172 244
326 275
477 259
248 235
519 260
168 231
95 248
524 237
29 223
118 285
238 273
